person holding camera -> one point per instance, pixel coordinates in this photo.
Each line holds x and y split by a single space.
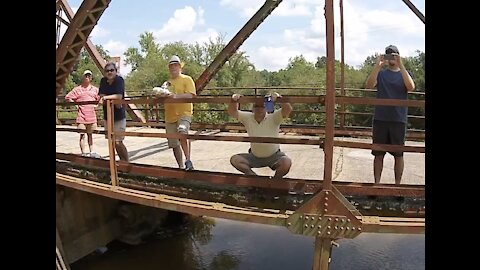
389 122
260 124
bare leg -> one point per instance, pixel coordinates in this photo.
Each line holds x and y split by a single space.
378 167
240 163
282 168
398 169
177 152
121 150
90 142
82 143
186 148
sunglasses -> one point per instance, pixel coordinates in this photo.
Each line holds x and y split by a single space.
109 70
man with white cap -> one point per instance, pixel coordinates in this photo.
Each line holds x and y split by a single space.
178 116
86 116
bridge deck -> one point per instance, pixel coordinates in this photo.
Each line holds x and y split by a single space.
352 165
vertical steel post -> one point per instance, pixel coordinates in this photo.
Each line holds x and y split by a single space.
329 97
111 143
321 257
342 71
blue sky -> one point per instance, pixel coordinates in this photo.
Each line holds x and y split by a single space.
295 27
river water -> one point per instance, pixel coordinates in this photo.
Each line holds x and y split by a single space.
218 244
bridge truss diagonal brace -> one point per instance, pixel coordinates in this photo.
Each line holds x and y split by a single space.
328 214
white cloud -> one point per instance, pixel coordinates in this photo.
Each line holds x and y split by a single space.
272 58
367 31
185 25
247 8
117 48
99 32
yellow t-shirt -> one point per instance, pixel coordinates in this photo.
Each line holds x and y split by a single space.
183 84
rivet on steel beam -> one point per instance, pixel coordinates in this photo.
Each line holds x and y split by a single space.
326 192
329 233
343 220
329 227
319 226
348 228
359 228
325 204
306 225
326 198
306 217
353 228
301 216
319 232
325 210
319 218
341 228
313 226
336 227
289 224
329 219
348 220
313 218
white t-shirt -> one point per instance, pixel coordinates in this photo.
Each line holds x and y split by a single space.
268 127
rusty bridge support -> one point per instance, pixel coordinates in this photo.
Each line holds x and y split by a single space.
75 38
94 54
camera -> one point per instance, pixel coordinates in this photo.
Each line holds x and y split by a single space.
269 106
388 56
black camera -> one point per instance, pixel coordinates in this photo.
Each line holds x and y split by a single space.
389 56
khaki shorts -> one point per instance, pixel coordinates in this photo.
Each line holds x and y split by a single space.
89 127
256 162
118 126
182 126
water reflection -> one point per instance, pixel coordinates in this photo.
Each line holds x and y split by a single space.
217 244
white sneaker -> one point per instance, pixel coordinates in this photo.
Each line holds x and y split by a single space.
95 155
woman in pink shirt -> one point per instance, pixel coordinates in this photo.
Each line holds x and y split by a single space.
86 116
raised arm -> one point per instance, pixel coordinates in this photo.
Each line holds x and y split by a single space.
407 79
233 106
286 107
372 79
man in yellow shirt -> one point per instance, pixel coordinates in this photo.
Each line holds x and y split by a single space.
260 124
178 116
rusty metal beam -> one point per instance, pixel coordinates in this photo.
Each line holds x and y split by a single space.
330 95
220 210
380 101
381 147
91 49
342 64
75 38
235 43
415 10
189 206
347 188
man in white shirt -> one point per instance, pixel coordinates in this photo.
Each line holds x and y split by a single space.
260 124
